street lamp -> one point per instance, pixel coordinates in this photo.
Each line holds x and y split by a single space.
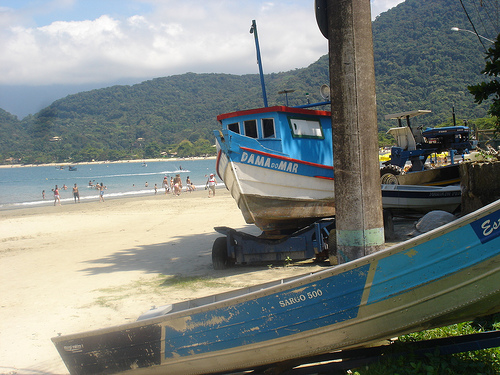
472 32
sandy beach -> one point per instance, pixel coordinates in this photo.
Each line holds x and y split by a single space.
78 267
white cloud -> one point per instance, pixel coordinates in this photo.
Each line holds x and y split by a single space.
176 37
379 6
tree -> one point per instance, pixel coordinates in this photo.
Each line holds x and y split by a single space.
152 150
203 147
484 90
185 149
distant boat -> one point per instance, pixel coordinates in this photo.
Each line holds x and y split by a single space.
72 168
445 276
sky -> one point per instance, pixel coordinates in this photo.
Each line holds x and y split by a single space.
52 48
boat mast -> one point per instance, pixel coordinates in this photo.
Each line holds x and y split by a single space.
253 30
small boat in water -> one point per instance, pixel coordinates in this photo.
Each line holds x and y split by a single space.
72 168
448 275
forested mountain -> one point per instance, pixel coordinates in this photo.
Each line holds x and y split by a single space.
419 64
12 134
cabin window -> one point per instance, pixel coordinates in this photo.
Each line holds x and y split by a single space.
268 128
306 128
251 128
234 127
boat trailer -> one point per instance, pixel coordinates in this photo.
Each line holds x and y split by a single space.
313 241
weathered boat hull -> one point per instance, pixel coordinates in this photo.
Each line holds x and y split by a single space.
441 176
445 276
279 200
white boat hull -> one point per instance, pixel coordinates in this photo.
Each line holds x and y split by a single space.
277 200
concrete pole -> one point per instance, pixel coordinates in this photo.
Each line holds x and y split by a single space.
358 199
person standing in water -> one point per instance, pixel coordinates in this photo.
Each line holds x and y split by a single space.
101 188
57 198
76 193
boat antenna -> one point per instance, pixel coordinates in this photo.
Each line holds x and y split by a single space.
253 30
286 92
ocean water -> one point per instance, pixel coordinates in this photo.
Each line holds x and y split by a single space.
22 187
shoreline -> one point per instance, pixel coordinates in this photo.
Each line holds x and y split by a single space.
65 164
140 195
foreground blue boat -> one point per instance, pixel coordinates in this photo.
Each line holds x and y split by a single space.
448 275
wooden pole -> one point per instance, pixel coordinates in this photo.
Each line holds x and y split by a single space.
358 197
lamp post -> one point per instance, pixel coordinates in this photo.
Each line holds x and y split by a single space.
472 32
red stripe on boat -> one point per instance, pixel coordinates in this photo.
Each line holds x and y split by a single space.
280 108
286 158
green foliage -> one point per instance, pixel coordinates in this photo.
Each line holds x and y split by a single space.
419 64
485 362
152 150
485 123
484 90
185 149
385 140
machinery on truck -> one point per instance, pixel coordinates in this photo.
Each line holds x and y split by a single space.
414 145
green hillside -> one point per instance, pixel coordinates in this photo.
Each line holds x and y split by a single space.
419 63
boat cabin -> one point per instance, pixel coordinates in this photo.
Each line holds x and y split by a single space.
297 133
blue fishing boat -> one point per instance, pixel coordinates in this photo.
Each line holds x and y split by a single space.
277 162
448 275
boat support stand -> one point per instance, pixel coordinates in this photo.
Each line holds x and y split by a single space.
243 248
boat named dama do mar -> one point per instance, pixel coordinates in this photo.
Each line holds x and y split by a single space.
277 162
448 275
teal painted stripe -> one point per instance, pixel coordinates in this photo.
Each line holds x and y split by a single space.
366 237
429 262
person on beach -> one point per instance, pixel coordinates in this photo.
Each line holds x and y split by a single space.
101 192
188 184
76 193
156 189
43 194
211 183
177 185
57 198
